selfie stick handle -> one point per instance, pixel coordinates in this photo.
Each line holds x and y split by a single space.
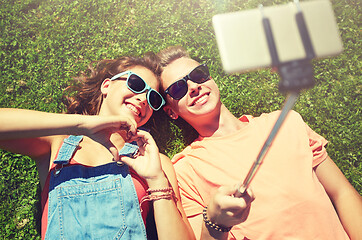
292 98
295 76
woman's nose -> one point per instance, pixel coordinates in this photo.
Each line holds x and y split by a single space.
142 97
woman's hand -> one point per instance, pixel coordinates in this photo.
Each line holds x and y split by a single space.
100 129
147 162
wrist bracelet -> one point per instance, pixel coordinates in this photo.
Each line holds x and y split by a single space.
166 193
167 189
213 225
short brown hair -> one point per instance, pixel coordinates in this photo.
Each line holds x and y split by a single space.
170 54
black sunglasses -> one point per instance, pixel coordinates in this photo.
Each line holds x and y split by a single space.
178 89
137 85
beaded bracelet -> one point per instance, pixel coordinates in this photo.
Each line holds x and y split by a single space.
214 225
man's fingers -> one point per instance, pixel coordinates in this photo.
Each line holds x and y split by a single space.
227 190
225 193
250 194
230 190
230 203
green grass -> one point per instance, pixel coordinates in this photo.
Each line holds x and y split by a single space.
45 43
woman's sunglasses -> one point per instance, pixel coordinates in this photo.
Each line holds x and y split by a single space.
178 89
137 85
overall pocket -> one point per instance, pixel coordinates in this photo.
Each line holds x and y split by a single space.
91 210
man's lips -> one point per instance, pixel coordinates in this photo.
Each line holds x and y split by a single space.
201 99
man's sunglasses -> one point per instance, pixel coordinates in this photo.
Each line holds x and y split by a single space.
137 85
178 89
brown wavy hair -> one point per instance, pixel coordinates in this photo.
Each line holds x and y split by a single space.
84 95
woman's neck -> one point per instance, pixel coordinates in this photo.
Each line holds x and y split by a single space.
97 152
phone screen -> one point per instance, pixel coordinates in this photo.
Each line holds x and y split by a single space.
243 45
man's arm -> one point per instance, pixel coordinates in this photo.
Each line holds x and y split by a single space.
223 210
346 199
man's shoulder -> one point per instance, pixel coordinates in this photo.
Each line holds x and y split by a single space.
273 116
180 156
183 155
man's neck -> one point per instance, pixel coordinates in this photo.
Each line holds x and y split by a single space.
220 124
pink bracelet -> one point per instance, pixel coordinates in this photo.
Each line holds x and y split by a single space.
160 190
156 197
168 193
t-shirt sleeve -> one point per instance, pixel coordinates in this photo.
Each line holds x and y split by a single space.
191 200
317 144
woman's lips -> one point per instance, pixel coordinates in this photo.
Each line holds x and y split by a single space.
134 109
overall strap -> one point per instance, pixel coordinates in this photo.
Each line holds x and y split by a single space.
67 150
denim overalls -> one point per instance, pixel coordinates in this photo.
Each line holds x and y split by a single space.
92 202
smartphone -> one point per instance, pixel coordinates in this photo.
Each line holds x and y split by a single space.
242 41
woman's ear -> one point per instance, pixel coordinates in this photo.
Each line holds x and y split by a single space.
170 112
105 86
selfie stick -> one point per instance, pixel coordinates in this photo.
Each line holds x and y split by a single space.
295 76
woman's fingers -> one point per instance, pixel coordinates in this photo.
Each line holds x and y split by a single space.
127 160
126 124
147 138
145 142
114 152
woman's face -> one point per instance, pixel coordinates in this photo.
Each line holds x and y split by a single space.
118 99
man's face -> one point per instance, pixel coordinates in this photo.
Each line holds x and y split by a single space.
200 99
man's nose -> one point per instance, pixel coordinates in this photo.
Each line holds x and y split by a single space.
194 88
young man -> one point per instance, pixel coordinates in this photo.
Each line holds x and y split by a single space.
299 192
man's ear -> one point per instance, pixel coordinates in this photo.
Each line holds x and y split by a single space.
105 86
170 112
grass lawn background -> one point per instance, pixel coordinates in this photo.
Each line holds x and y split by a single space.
45 43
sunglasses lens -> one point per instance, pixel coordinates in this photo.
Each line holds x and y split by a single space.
200 74
155 99
178 89
136 84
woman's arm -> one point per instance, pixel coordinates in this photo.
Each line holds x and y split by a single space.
346 199
170 217
28 132
157 169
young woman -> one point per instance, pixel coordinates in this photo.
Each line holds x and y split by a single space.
93 187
